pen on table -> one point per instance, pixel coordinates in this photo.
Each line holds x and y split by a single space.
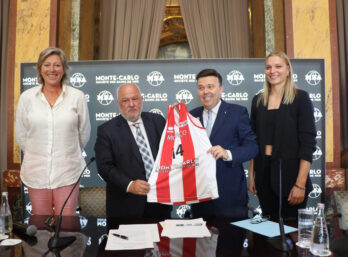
189 224
120 236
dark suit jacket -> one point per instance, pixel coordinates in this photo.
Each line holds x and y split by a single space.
119 161
294 139
232 131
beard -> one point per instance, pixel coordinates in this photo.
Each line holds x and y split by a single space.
132 118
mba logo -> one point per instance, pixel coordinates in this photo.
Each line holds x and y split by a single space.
83 222
235 78
78 80
184 96
29 208
155 78
182 210
317 154
317 114
157 111
316 192
313 77
105 97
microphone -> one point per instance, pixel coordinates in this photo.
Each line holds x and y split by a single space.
25 232
283 244
56 243
19 228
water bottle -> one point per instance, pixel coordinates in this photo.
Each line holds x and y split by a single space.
320 235
5 214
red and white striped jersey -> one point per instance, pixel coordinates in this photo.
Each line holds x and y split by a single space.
183 173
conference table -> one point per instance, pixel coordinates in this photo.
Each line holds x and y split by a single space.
90 233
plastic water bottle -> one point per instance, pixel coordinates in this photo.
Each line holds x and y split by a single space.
320 235
5 214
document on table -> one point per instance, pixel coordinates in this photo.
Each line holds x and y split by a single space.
130 237
266 228
152 228
195 228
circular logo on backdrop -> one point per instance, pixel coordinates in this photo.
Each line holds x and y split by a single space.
157 111
315 192
313 77
78 80
317 154
235 78
83 222
29 208
184 96
317 114
155 78
105 97
182 209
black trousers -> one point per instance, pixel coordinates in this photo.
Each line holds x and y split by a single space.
269 200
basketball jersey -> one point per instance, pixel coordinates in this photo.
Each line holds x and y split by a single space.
183 173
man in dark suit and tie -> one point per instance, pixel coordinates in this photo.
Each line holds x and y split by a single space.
233 142
126 148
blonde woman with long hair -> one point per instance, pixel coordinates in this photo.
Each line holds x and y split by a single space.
282 118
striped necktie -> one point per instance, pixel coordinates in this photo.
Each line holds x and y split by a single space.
144 151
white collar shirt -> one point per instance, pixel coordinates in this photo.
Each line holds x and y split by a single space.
52 138
143 131
214 113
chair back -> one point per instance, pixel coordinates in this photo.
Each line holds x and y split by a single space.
92 201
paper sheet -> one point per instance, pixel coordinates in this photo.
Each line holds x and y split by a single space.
136 240
152 228
266 228
195 228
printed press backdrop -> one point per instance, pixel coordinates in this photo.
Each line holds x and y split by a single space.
164 82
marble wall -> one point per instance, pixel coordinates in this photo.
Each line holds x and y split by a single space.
32 36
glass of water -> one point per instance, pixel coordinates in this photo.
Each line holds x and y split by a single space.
305 227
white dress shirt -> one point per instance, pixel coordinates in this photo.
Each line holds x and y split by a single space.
52 139
214 113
